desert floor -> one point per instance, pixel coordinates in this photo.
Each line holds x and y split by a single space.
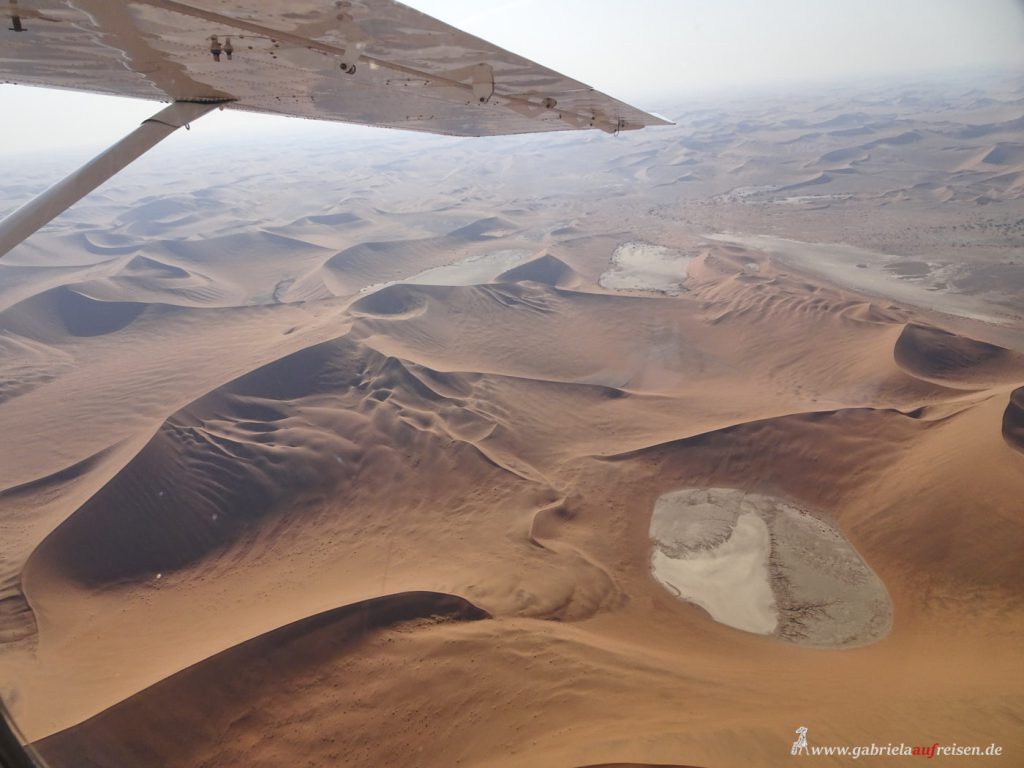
346 453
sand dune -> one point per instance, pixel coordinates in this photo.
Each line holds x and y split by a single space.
1004 154
160 213
546 269
214 468
371 475
231 685
64 311
939 355
900 139
376 263
1013 420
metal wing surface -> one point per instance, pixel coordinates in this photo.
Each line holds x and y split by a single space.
372 62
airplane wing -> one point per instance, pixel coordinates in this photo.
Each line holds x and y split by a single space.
373 62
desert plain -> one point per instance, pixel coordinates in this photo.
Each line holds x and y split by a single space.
349 452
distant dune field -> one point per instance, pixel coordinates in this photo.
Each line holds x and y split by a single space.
364 474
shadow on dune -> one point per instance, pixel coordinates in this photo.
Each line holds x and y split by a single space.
484 229
392 301
546 269
63 311
936 354
1013 420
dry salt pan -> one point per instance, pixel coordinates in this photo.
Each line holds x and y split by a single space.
646 267
762 564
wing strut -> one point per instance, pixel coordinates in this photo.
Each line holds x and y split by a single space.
68 191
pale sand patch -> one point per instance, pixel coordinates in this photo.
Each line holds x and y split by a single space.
646 267
763 565
481 268
729 581
472 270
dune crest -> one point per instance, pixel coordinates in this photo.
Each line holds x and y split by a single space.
942 356
546 269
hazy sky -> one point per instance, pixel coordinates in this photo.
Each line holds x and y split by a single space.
648 52
645 48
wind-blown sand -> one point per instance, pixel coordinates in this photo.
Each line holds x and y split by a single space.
254 514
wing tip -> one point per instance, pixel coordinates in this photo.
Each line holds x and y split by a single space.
659 119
